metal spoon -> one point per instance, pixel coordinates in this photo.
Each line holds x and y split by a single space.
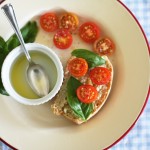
36 75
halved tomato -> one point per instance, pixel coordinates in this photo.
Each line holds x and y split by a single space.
69 21
62 39
78 67
49 22
100 75
87 93
89 32
104 46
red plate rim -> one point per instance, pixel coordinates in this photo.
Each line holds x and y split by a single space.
148 92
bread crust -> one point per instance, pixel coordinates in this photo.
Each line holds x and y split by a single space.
60 105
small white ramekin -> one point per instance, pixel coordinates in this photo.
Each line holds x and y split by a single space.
6 73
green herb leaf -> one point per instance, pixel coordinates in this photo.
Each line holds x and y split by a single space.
12 42
2 90
80 109
92 59
87 109
3 53
29 32
3 48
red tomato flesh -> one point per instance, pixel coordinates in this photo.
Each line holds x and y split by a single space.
100 75
78 67
62 39
87 93
104 46
49 22
89 32
69 21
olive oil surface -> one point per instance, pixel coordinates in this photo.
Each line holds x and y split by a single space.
18 73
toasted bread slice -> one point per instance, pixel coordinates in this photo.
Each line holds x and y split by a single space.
60 105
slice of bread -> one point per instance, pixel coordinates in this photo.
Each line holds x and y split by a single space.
60 105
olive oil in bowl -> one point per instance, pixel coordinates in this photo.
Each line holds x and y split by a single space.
18 73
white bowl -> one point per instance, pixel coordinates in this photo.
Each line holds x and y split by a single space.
7 69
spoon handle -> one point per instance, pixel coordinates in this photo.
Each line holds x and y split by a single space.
10 14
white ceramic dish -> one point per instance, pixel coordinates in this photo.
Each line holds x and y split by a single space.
7 69
28 128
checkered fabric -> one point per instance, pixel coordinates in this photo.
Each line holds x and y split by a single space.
141 9
4 147
139 137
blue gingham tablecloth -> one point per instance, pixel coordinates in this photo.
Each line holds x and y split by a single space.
139 137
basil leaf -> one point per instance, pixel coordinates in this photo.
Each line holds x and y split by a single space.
12 43
29 32
3 51
80 109
3 47
2 89
72 99
92 59
2 42
87 109
3 54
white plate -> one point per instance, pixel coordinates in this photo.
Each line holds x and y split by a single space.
35 127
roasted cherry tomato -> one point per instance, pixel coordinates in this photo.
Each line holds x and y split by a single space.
49 22
87 93
62 39
104 46
78 67
89 32
69 21
100 75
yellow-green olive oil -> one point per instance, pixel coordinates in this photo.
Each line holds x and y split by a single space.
18 73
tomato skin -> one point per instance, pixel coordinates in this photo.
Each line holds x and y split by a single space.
78 67
49 22
104 46
100 75
89 32
62 39
69 21
87 93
